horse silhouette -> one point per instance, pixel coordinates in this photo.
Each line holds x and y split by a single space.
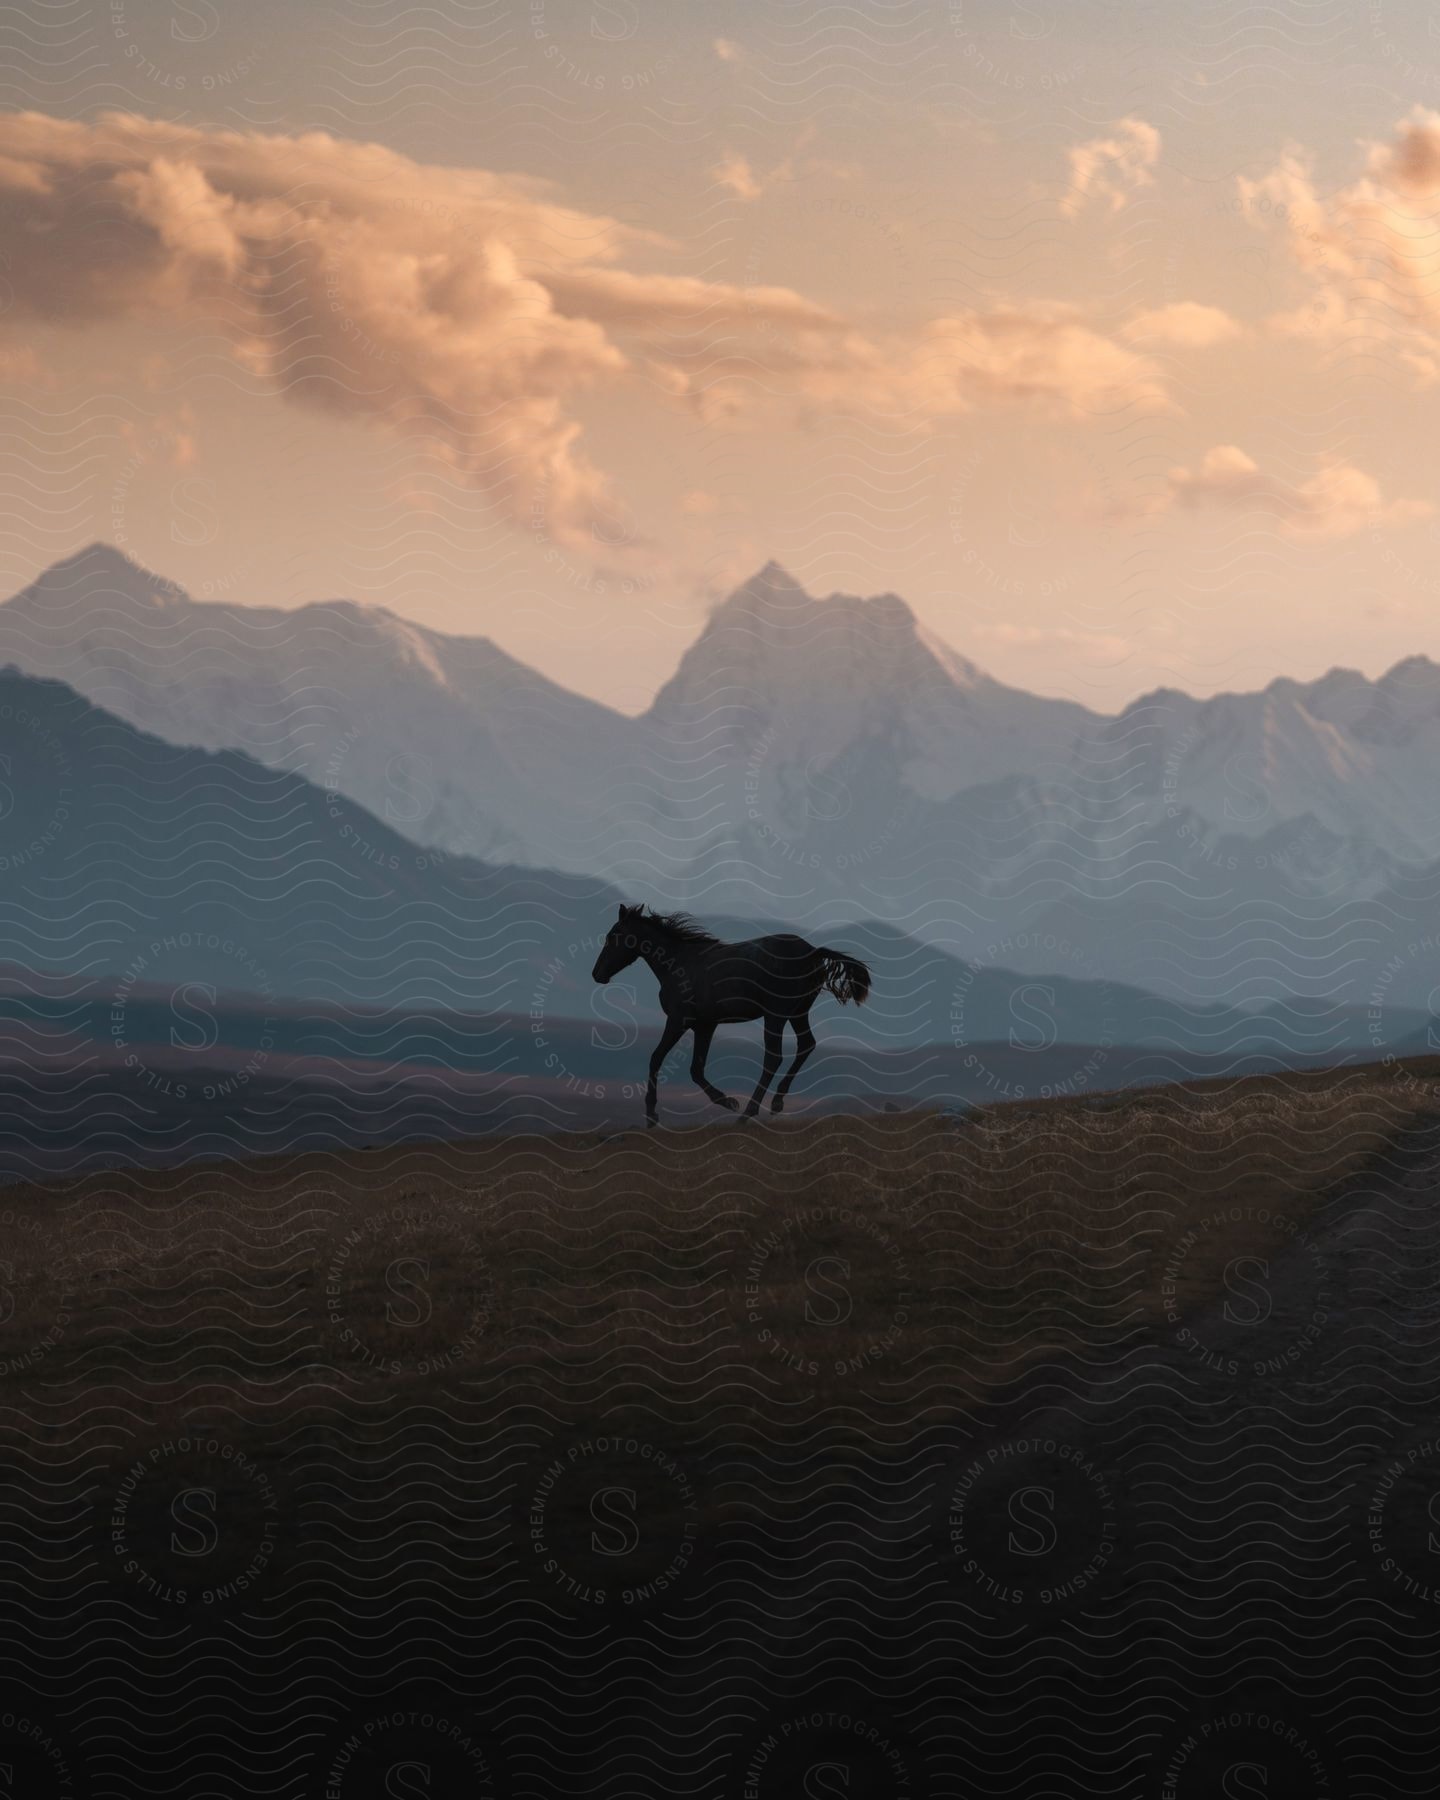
705 983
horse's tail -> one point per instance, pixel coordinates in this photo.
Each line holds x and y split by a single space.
846 976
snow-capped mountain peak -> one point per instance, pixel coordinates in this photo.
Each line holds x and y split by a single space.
450 737
785 683
101 575
771 643
789 716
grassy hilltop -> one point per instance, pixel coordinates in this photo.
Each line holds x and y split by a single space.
1017 1230
671 1439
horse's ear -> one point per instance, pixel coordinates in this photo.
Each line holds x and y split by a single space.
630 912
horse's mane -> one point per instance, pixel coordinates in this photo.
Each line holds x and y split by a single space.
681 927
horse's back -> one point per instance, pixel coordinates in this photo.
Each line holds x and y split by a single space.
777 976
781 950
785 943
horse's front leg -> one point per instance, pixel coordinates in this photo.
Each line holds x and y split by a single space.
774 1043
703 1035
669 1038
804 1044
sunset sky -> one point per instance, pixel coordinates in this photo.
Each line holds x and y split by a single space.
1108 335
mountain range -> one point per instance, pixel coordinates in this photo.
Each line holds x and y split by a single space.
825 762
203 955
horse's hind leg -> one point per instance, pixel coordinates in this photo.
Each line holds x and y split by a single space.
703 1035
774 1049
804 1044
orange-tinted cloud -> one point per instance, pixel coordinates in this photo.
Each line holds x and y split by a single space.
1112 169
1369 249
1336 501
471 310
951 366
734 171
352 279
1184 325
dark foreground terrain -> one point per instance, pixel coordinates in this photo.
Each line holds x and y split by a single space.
1067 1448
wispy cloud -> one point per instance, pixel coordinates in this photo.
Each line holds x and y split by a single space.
733 171
739 174
1184 325
1335 502
1112 169
1370 249
357 282
472 310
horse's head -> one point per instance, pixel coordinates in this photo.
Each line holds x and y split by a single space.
621 946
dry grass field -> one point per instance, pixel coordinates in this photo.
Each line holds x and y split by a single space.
671 1428
819 1256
